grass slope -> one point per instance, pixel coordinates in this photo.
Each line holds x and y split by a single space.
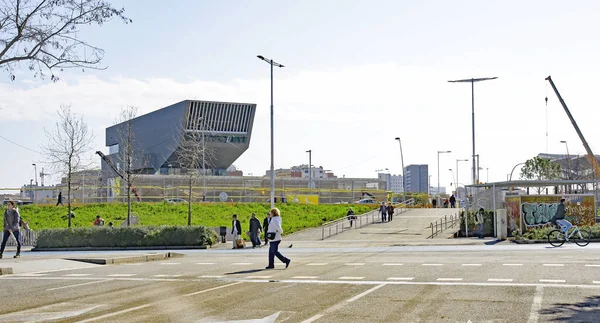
295 216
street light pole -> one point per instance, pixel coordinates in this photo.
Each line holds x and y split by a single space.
309 170
403 178
36 182
453 178
272 63
457 179
472 81
437 191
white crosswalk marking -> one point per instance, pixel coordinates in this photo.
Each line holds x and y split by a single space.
122 275
500 280
552 281
401 278
352 278
449 279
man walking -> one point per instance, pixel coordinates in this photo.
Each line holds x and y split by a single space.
452 201
59 199
236 230
383 211
255 231
390 211
479 220
11 226
266 227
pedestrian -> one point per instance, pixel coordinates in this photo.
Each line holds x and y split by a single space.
452 201
390 211
255 230
266 227
383 211
236 230
274 233
11 226
99 221
479 220
350 216
434 202
59 201
446 203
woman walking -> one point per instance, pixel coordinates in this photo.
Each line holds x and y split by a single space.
274 234
11 225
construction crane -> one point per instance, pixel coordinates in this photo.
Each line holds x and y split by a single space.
42 175
590 155
118 172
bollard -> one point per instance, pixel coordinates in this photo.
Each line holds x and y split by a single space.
431 224
446 221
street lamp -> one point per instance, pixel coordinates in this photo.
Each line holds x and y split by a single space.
472 81
511 172
36 182
309 170
568 157
437 191
454 179
403 178
272 63
457 179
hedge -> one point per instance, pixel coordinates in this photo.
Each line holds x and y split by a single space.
542 233
137 236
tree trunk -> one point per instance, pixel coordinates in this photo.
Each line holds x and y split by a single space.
128 201
190 204
69 198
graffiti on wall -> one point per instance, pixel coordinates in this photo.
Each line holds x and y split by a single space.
536 214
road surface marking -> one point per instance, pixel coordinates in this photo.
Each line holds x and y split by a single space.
552 281
241 263
592 265
367 292
401 278
169 263
536 305
596 282
77 285
211 289
508 280
122 275
317 264
31 275
136 264
392 264
211 276
77 275
351 277
471 265
305 277
314 318
115 313
512 264
449 279
205 263
173 276
432 265
259 277
554 265
355 264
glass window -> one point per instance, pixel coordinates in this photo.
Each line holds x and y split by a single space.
114 149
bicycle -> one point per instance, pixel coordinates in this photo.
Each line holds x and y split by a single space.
557 237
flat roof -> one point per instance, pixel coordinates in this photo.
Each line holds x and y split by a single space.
522 183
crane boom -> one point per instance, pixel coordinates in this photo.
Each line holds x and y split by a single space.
118 172
590 155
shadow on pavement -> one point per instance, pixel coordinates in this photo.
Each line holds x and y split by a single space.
249 271
587 310
493 242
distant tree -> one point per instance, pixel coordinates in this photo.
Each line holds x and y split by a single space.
193 156
66 145
540 169
44 34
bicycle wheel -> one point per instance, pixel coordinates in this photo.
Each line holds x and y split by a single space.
582 238
556 238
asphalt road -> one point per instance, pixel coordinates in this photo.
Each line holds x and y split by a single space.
496 283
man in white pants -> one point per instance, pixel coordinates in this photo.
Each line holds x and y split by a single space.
236 230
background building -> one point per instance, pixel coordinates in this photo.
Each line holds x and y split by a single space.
396 184
417 177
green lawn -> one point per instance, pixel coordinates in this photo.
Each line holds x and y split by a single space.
295 216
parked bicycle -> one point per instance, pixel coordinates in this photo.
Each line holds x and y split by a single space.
558 237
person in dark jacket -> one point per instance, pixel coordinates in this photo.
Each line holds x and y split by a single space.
383 211
266 227
452 201
11 225
390 211
236 229
350 216
559 217
59 199
255 230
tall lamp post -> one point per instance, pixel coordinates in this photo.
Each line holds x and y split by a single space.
309 170
403 178
568 172
457 179
453 178
472 81
272 63
437 191
36 182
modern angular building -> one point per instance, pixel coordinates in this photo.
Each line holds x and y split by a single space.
157 136
417 178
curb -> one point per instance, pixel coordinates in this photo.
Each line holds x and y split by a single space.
129 259
542 241
121 248
5 271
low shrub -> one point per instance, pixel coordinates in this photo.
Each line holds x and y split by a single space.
126 237
542 233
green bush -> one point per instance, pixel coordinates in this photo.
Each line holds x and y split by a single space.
488 223
126 237
542 233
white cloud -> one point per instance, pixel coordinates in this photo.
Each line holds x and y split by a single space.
348 117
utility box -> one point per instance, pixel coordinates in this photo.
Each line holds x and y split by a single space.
501 227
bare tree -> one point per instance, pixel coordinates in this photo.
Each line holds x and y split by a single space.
131 158
43 34
193 156
66 145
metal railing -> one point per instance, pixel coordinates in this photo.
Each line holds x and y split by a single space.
338 226
27 237
444 223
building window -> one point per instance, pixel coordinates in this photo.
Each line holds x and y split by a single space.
114 149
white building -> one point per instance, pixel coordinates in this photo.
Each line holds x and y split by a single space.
396 183
437 190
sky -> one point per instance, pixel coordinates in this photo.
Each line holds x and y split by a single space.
357 74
